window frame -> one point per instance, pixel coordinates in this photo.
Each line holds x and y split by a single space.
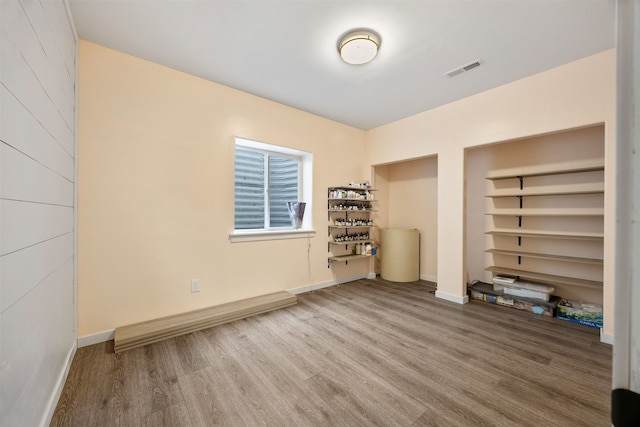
305 175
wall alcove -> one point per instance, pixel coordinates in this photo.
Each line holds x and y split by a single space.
560 215
408 191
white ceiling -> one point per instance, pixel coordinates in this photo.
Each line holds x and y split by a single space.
286 51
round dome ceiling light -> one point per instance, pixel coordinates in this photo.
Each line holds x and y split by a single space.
359 47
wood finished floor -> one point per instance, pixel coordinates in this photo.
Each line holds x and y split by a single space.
365 353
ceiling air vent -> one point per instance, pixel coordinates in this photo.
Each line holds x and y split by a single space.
463 68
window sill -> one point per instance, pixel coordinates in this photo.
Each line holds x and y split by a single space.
255 236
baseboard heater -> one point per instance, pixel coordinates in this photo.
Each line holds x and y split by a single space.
152 331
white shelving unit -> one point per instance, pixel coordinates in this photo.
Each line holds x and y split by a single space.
350 222
564 200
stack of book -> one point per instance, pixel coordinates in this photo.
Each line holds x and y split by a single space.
485 292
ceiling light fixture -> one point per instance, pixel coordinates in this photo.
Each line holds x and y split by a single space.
359 47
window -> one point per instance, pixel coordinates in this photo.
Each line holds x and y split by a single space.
264 183
266 178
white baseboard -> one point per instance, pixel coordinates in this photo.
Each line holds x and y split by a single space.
316 286
452 298
428 278
57 390
96 338
372 276
350 279
606 338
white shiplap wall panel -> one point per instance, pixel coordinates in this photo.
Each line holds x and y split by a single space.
56 13
31 224
55 79
23 270
37 147
25 179
68 193
23 84
23 34
20 129
34 351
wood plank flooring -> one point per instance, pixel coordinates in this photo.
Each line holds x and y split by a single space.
366 353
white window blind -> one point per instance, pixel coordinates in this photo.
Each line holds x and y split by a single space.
264 182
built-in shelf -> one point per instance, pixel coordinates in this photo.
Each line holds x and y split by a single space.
352 200
575 191
548 169
588 188
546 278
352 210
546 235
545 256
549 212
350 188
342 258
352 242
342 227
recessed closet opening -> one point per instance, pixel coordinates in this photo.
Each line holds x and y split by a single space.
409 199
535 207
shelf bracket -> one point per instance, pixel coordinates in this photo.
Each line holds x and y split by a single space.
519 240
521 179
520 199
519 221
519 260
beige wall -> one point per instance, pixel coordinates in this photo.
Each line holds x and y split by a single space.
575 95
156 180
155 192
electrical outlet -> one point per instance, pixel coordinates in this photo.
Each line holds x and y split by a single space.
195 285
